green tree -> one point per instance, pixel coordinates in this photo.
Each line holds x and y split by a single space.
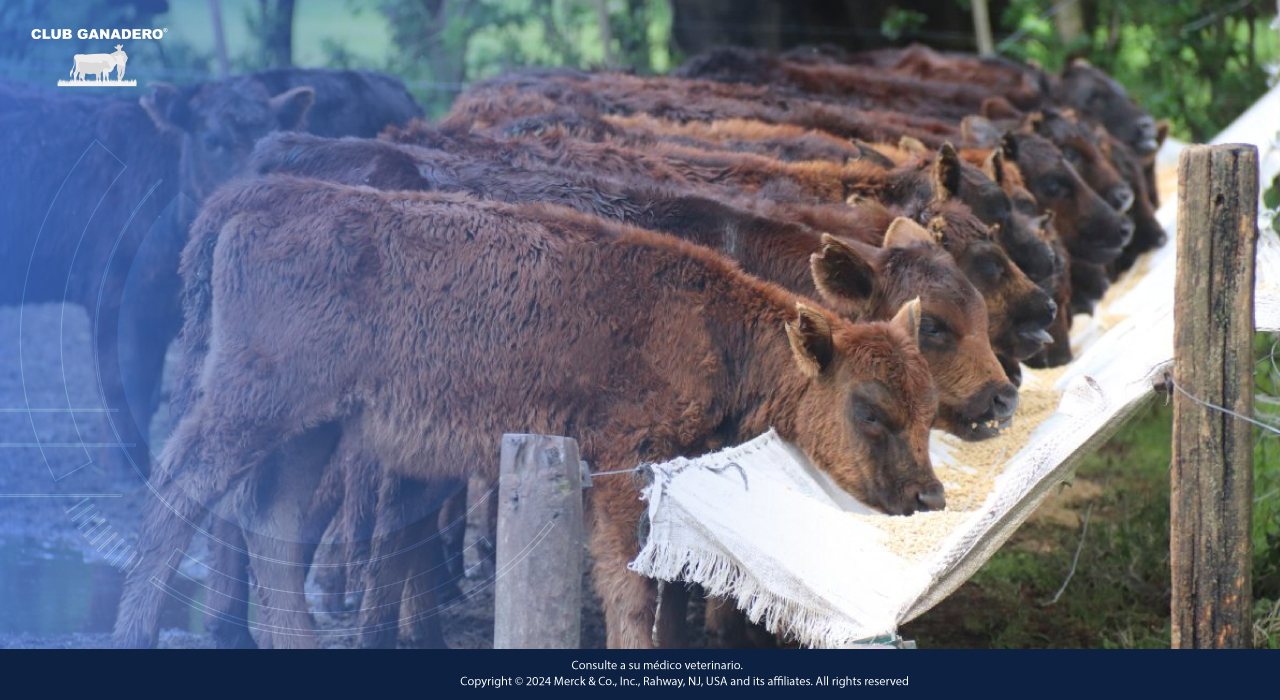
1196 64
443 44
271 24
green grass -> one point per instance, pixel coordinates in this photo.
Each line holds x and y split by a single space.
1119 595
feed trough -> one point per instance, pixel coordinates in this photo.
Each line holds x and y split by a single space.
758 524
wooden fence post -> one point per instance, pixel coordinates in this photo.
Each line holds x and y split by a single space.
538 595
1211 476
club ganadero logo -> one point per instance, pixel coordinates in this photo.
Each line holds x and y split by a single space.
99 66
95 69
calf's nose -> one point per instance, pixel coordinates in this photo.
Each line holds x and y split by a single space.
931 497
1050 310
1126 230
1121 198
1004 402
1147 127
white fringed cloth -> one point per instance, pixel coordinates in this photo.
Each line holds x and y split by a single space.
758 524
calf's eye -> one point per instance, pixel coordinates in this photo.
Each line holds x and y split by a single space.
931 327
865 414
1055 187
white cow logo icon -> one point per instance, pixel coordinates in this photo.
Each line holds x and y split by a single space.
98 65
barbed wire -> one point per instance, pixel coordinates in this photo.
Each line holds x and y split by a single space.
1168 378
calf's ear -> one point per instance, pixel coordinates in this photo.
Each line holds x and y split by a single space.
167 107
979 132
1104 139
904 232
908 319
946 173
912 145
1032 123
810 338
290 107
1162 131
993 167
1009 146
840 273
998 108
870 205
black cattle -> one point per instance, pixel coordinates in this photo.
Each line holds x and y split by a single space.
97 195
348 102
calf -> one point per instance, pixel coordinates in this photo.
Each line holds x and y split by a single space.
978 178
144 164
347 102
869 284
860 281
1092 230
1050 271
1108 166
1081 86
1148 234
1013 303
865 87
683 100
1099 97
676 352
1019 310
1081 147
783 142
1022 84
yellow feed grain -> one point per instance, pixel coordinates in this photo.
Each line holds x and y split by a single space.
969 481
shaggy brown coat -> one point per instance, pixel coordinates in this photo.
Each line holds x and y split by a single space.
462 320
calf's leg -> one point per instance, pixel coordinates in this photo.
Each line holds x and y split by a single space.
628 598
227 598
203 459
396 523
275 516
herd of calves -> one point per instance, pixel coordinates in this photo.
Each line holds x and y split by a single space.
849 248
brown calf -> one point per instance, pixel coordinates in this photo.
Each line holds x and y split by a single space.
979 178
1019 311
865 87
1023 85
1148 234
673 351
870 284
781 141
679 100
976 399
1092 229
1081 86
